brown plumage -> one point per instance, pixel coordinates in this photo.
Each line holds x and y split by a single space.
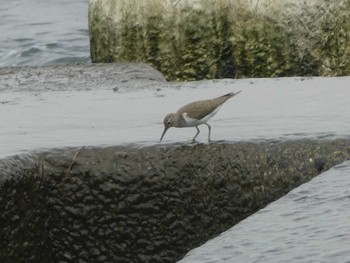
195 113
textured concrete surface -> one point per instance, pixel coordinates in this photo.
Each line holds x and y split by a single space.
119 76
152 204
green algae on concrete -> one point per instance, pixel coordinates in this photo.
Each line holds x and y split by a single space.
152 204
205 39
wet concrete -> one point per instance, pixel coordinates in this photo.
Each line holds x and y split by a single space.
114 104
148 204
68 194
117 76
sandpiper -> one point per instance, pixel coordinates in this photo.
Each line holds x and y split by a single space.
195 114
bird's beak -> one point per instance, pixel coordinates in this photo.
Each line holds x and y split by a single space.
165 129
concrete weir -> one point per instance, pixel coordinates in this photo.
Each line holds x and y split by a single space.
80 182
145 204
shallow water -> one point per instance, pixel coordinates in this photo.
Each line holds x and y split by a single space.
310 224
41 32
286 108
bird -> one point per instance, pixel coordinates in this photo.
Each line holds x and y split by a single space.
195 114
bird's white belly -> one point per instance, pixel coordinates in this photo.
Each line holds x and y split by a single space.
192 122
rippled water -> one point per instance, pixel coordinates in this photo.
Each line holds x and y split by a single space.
41 32
310 224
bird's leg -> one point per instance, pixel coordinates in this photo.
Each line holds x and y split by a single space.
209 128
194 138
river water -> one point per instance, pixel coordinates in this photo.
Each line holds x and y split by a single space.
41 32
310 224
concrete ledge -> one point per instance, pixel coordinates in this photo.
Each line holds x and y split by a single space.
125 76
153 204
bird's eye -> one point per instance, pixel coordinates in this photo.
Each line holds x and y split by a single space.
168 122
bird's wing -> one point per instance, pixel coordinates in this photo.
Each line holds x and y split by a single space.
199 109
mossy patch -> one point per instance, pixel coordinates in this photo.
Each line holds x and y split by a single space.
224 39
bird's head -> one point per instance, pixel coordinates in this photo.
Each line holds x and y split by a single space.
169 121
